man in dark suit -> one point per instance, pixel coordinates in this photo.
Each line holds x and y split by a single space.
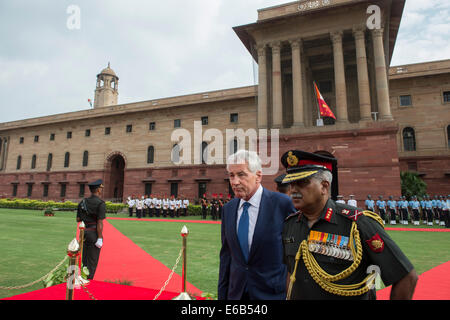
251 257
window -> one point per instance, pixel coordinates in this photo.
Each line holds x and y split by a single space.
69 134
45 191
14 191
82 190
175 156
148 188
151 126
49 161
87 133
21 140
129 128
107 131
66 159
446 96
33 162
448 136
325 86
405 101
150 154
19 162
36 138
63 190
85 158
234 146
204 121
204 154
29 189
174 189
201 189
234 118
177 123
52 136
409 139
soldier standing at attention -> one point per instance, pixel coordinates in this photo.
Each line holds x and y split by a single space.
92 211
332 250
204 206
352 202
381 205
340 199
370 204
392 205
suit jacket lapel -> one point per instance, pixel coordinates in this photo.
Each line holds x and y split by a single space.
232 223
261 222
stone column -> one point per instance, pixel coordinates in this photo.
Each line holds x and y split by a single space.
382 85
339 76
1 153
277 111
4 143
297 83
262 87
363 75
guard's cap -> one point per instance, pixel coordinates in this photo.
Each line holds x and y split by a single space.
96 184
301 165
280 178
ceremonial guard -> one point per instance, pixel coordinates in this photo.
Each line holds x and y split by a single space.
429 210
172 206
381 205
370 204
221 204
392 205
333 250
92 211
139 207
214 207
158 204
185 206
414 205
151 205
352 202
340 199
204 203
435 206
179 204
441 211
404 208
424 211
130 203
165 206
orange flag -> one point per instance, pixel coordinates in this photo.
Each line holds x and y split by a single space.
324 109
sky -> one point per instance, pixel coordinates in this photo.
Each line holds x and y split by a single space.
49 59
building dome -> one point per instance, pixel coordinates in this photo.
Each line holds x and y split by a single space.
109 71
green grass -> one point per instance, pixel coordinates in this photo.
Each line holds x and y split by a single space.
31 245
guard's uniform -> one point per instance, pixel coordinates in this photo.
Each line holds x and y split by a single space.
90 212
330 248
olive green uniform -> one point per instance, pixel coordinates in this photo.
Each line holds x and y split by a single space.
94 210
336 220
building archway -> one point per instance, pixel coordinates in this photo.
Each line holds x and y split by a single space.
114 177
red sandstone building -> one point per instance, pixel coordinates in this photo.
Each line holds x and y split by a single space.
388 119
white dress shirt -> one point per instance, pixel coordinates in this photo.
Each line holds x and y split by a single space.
253 210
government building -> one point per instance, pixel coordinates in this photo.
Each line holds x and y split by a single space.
389 119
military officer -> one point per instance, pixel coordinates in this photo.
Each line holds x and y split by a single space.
332 250
92 211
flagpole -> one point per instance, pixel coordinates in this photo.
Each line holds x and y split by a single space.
317 100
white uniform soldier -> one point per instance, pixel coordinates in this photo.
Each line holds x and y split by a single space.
148 205
130 203
178 207
158 203
172 206
165 206
185 206
340 199
352 201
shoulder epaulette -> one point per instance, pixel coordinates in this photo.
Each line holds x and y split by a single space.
352 214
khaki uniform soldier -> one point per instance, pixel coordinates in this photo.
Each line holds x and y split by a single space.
92 211
333 250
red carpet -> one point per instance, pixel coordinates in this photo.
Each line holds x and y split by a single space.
99 290
433 284
122 259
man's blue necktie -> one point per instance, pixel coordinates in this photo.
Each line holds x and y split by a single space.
243 231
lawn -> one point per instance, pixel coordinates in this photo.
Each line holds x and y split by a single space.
31 245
